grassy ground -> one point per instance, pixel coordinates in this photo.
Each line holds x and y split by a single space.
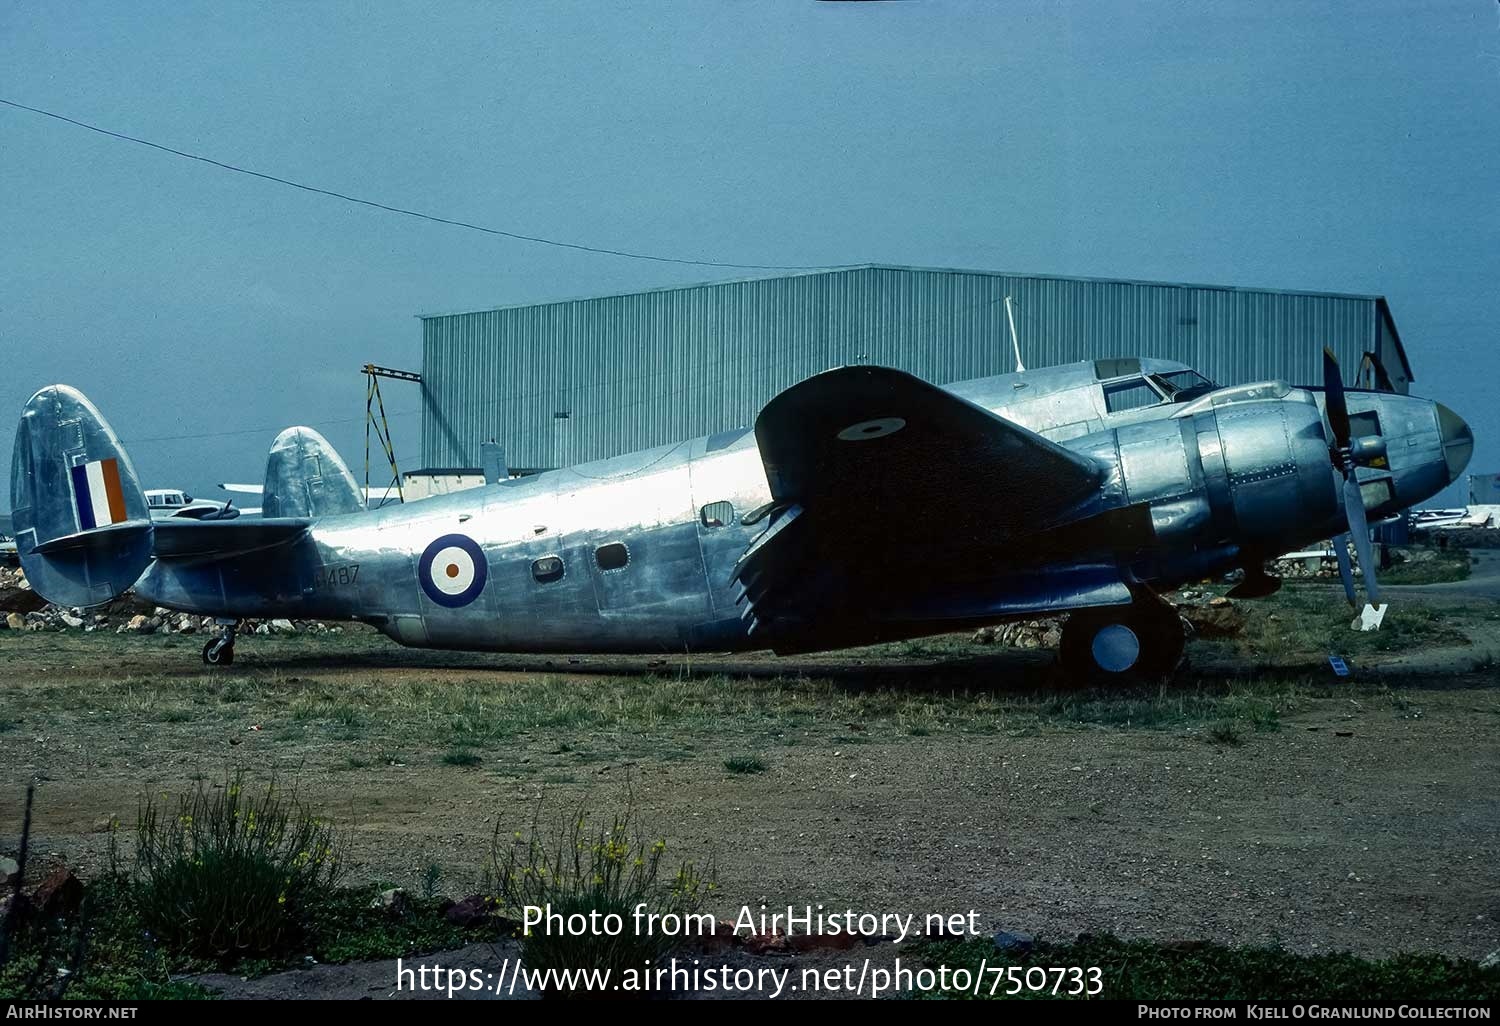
307 699
1444 566
1302 625
1256 799
463 718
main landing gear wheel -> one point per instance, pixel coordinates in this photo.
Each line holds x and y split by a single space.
1142 640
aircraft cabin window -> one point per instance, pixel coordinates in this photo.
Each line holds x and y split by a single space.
548 569
717 514
614 556
1133 394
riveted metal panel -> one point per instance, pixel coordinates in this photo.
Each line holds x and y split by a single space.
559 383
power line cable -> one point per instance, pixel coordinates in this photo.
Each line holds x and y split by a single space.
347 198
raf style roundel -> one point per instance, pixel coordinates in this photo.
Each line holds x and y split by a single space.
452 570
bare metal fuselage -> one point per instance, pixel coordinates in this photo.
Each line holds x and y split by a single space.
1237 475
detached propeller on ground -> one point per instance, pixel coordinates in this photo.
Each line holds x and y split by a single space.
1347 455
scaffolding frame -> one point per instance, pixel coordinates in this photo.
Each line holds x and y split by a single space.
375 406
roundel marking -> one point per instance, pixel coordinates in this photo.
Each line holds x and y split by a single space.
452 570
867 429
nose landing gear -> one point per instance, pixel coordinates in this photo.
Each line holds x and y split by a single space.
1142 640
220 651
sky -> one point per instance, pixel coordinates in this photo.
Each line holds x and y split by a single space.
1349 147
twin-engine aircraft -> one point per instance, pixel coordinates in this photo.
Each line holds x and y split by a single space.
866 505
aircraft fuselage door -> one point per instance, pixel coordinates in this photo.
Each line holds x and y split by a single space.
728 483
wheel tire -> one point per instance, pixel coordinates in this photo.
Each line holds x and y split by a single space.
218 653
1121 644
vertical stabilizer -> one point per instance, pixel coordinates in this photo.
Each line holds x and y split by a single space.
306 478
82 528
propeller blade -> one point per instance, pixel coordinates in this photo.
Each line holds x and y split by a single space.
1359 528
1333 393
1346 571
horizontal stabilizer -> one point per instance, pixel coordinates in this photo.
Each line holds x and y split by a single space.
98 538
82 527
219 539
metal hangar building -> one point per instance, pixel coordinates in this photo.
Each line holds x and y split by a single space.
564 382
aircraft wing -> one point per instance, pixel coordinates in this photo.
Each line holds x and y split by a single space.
894 499
863 437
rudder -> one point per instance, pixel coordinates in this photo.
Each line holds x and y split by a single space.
82 527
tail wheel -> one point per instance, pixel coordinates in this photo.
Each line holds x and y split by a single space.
1144 639
218 652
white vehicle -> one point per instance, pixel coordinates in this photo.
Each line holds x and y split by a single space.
1434 519
166 503
8 555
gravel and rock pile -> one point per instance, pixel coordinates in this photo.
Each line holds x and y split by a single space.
1204 614
1045 632
22 609
1209 616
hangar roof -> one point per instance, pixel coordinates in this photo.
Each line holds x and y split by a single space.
1382 306
911 267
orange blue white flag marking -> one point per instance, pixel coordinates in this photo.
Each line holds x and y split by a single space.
97 494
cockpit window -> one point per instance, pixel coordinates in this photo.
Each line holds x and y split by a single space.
1131 394
1184 385
1116 367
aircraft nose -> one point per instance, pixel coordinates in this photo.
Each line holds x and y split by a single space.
1458 441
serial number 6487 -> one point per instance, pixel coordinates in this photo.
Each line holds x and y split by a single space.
335 575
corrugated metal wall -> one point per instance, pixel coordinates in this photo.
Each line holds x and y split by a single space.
566 382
